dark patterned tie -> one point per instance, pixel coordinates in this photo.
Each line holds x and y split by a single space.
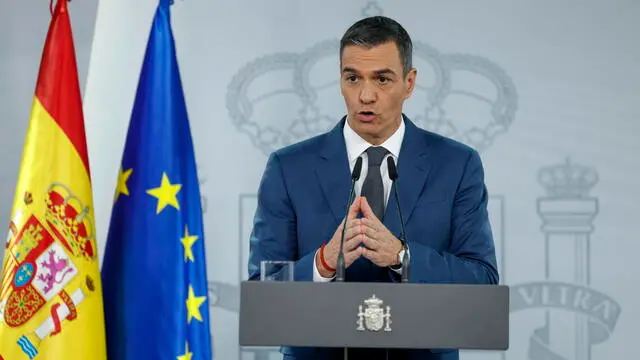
372 188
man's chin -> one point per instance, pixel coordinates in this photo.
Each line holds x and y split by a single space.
367 128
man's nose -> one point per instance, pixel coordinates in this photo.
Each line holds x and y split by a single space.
367 94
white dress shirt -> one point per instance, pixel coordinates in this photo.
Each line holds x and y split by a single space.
357 146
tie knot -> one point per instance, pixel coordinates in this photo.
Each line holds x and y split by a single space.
376 154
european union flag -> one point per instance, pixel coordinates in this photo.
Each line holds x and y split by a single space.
154 269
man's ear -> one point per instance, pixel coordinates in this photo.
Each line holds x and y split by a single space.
410 82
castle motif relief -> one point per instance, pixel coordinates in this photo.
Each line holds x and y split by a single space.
578 316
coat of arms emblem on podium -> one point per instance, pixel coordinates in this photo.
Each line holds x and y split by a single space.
374 316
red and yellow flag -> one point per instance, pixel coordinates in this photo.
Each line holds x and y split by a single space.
51 292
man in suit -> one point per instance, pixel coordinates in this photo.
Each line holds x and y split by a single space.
302 195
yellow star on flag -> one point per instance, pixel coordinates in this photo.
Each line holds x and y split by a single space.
122 183
188 241
187 355
166 194
193 305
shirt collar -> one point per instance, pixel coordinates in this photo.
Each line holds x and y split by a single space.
356 145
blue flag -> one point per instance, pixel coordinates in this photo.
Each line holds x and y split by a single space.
154 269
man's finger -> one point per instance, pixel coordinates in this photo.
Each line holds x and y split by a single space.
353 241
350 224
367 211
354 226
370 254
354 209
365 222
371 243
354 223
370 232
351 233
353 255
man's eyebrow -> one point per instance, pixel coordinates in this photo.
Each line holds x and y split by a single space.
385 71
349 70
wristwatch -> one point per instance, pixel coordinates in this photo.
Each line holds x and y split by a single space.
400 256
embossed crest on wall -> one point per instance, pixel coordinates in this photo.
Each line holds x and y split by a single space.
307 104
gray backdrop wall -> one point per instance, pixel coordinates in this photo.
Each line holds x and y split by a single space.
546 91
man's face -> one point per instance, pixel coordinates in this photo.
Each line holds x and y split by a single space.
374 89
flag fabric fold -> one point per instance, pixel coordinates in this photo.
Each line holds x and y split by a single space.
51 294
154 269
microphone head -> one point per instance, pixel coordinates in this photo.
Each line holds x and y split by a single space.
391 165
355 175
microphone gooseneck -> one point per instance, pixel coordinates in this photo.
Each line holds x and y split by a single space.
393 175
340 265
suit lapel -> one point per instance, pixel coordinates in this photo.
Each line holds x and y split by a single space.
333 171
413 168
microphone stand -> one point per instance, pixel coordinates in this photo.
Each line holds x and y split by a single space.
340 264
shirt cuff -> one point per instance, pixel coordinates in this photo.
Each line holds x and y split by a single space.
316 274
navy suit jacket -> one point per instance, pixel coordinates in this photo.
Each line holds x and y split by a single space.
302 200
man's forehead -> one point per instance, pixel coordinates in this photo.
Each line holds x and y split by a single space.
379 58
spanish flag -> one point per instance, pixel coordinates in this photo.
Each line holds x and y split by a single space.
51 292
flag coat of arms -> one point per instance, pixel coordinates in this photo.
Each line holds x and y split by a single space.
51 296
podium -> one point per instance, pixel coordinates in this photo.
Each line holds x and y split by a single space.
374 315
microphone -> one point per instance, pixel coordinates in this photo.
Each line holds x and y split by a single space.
355 175
393 175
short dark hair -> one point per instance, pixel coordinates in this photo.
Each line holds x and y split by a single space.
377 30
